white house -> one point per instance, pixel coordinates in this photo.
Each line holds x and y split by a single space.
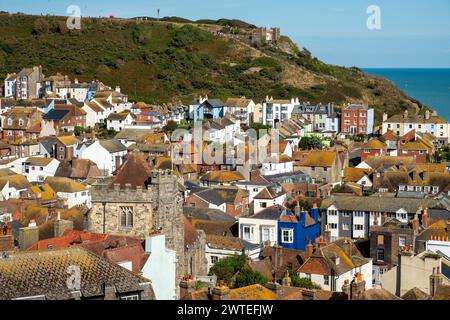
37 169
280 163
118 121
335 263
75 193
241 108
219 247
253 188
274 111
11 186
160 267
261 228
108 155
10 86
269 196
94 113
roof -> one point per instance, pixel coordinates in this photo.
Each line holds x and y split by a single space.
269 192
190 233
271 213
376 162
318 159
207 214
252 292
400 118
132 134
77 169
135 171
56 114
222 176
415 294
39 161
354 174
373 204
373 144
228 243
16 181
325 259
66 185
112 145
238 102
118 116
378 294
218 196
68 140
29 274
43 191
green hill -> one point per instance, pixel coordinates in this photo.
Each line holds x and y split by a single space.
163 61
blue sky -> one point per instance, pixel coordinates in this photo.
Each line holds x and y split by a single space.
414 33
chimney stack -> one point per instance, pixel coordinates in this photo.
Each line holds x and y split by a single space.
28 235
415 223
286 281
385 116
327 235
405 114
220 291
346 288
62 225
436 280
425 218
187 286
309 249
297 209
274 286
427 114
357 287
308 294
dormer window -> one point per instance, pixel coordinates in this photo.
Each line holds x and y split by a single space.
10 122
20 122
435 189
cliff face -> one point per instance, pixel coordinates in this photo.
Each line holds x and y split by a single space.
163 61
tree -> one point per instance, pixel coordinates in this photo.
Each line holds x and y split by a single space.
41 25
247 277
308 143
227 267
297 281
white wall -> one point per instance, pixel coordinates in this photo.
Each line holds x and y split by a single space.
38 175
160 268
257 225
257 203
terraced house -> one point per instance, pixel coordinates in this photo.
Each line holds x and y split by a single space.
428 123
352 216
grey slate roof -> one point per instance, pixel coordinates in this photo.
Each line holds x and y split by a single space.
207 214
376 204
112 145
56 114
271 213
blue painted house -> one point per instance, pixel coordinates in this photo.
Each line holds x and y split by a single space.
295 229
207 109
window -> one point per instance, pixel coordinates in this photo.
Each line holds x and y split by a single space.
380 240
346 214
287 235
214 259
267 234
332 225
263 204
126 217
20 122
435 189
332 213
326 280
402 241
380 254
308 276
345 226
10 122
248 233
358 214
133 297
359 227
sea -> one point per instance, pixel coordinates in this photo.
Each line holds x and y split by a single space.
430 86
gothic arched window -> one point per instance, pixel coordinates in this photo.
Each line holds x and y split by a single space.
126 217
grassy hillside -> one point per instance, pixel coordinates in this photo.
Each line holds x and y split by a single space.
163 61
